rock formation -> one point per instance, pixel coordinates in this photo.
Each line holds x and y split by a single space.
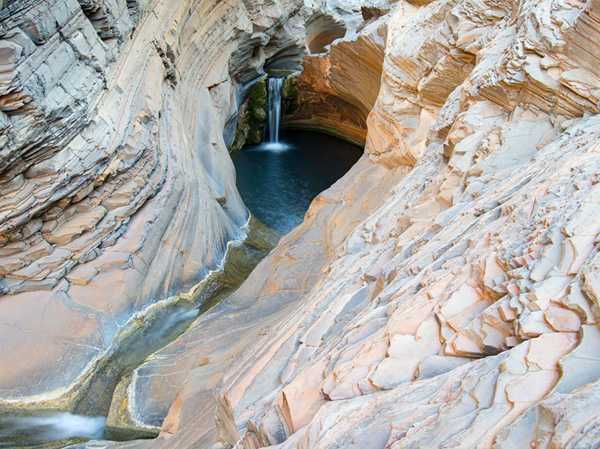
337 88
444 294
117 188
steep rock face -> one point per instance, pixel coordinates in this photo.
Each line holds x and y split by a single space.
116 186
482 248
338 88
445 292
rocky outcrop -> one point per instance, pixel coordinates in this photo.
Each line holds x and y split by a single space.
445 292
459 303
336 90
251 120
321 31
116 186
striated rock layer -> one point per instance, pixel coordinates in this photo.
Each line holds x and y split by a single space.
337 88
462 311
116 186
445 293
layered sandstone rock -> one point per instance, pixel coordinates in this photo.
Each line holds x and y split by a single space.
445 292
116 187
337 89
483 248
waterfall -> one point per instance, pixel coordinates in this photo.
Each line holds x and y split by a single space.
275 86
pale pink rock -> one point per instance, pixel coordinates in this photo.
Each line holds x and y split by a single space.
533 324
301 398
562 320
393 371
471 222
544 349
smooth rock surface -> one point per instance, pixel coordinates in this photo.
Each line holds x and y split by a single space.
442 293
338 88
117 189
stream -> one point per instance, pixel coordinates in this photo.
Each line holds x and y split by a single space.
50 426
278 180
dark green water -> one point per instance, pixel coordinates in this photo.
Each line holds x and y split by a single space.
279 181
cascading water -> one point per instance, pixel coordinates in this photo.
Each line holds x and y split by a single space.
24 431
275 87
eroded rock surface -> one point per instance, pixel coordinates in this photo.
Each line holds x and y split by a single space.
116 186
337 89
445 293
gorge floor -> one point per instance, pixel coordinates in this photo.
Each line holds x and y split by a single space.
278 183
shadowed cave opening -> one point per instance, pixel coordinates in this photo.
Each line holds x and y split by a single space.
282 166
279 178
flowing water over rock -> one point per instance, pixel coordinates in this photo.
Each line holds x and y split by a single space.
98 412
46 427
274 108
278 183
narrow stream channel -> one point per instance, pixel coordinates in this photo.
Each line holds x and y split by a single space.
278 180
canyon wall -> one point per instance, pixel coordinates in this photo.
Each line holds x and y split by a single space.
462 311
117 190
339 84
445 292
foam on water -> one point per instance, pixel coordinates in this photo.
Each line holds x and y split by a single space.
274 146
53 426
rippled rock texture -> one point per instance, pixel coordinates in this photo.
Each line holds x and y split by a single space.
341 76
116 186
462 309
445 293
